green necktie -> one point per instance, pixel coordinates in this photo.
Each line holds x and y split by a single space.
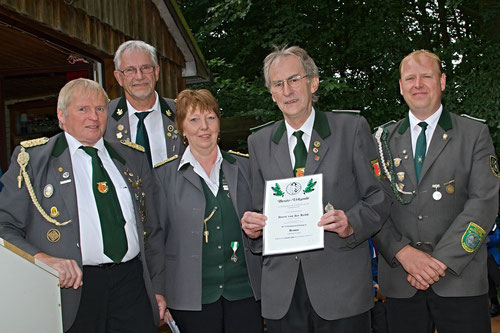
142 134
420 149
108 207
300 153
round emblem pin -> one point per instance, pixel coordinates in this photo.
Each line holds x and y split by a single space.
450 189
53 235
48 190
120 127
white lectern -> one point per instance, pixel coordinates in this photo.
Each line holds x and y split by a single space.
30 297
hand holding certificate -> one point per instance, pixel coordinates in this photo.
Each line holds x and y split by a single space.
293 207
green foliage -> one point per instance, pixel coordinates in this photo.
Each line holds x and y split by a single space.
357 46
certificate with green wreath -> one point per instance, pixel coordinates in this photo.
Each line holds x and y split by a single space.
293 207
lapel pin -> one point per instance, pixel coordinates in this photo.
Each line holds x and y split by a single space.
48 190
119 112
401 176
436 195
60 169
445 136
119 135
397 162
317 144
54 212
120 127
53 235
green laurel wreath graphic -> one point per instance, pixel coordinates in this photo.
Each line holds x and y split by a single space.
277 190
310 186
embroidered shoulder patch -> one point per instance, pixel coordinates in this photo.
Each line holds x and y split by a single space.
494 166
376 167
472 237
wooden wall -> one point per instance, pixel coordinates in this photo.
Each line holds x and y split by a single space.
100 26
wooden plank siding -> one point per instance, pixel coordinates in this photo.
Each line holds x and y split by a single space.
103 25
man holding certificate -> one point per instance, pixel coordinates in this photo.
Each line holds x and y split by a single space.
327 288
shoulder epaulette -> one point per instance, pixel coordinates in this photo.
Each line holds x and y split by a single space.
256 128
170 159
238 153
473 118
34 142
385 125
347 111
131 144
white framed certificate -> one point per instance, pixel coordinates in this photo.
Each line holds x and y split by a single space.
293 207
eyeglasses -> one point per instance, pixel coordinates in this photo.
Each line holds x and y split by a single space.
292 81
130 71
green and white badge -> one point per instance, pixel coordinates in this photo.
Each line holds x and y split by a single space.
234 247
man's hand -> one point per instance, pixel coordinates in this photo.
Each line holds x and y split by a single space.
70 274
422 268
336 221
253 223
162 305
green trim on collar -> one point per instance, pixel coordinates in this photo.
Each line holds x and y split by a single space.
113 153
445 120
404 125
165 109
122 104
278 132
227 157
60 145
321 125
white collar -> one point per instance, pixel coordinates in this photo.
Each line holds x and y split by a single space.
307 126
155 107
431 121
74 144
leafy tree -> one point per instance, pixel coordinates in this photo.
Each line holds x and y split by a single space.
357 46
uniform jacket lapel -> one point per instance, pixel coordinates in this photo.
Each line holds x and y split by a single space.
280 151
230 170
188 173
321 130
437 143
120 115
61 159
403 143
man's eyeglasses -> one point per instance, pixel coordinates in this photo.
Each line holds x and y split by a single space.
292 81
130 71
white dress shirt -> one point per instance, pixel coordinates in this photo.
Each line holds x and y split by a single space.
91 243
307 128
431 121
211 180
154 127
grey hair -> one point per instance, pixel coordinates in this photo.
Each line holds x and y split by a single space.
69 88
305 60
134 45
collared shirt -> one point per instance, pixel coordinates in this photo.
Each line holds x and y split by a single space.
211 180
307 128
154 127
91 244
431 121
